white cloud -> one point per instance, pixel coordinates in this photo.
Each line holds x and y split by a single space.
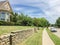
18 9
51 8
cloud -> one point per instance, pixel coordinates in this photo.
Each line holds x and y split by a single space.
38 8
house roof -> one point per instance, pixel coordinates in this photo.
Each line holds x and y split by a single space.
4 6
2 2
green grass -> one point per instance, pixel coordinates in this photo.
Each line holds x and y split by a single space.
8 29
55 39
35 39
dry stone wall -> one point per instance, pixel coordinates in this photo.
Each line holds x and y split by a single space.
4 40
16 37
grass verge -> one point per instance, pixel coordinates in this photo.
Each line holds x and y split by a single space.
35 39
55 39
8 29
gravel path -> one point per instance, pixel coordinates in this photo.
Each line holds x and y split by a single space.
46 39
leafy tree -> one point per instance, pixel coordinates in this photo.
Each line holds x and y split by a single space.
44 22
58 22
25 20
36 21
41 22
13 17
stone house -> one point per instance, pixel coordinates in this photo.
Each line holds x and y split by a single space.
5 10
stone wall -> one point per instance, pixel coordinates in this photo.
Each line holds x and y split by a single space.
16 37
4 40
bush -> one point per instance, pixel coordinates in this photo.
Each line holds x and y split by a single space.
6 23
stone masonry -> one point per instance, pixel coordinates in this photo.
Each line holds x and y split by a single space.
16 37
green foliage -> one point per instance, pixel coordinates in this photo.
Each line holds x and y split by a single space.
24 20
13 17
42 22
36 21
58 22
55 39
6 23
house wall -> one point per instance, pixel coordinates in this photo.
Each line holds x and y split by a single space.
4 16
5 6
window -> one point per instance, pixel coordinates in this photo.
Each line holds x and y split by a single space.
3 14
2 19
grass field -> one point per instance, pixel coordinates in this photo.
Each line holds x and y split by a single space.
8 29
55 39
35 39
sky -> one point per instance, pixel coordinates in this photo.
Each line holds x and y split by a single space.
49 9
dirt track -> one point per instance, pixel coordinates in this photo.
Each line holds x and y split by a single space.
46 39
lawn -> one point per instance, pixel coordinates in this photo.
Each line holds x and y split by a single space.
8 29
35 39
55 39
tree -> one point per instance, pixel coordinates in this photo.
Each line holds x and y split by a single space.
13 17
44 22
25 20
36 21
58 22
41 22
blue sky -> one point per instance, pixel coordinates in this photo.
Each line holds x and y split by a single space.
49 9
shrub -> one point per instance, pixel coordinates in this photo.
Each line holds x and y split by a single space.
6 23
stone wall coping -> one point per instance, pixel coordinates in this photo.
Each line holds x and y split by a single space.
4 36
21 30
7 35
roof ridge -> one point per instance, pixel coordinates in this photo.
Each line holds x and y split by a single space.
4 1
